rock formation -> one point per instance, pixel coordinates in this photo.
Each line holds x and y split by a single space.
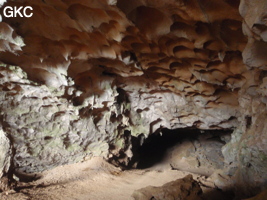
84 78
181 189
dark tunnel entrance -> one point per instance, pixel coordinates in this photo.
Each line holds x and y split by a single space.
171 144
156 146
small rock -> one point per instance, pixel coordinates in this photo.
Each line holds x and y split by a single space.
181 189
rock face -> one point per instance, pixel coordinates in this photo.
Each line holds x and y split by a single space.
5 152
85 78
247 150
181 189
201 156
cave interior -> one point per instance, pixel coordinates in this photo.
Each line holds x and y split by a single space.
148 86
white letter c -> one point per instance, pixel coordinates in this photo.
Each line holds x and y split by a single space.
24 11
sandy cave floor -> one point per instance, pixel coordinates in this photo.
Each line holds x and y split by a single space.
96 179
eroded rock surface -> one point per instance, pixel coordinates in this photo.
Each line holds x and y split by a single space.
5 152
181 189
202 155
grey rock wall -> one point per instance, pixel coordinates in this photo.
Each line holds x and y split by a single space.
5 153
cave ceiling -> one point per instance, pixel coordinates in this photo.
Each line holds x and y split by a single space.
187 49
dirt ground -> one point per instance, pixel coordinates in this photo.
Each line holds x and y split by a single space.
96 179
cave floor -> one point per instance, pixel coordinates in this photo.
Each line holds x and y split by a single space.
96 179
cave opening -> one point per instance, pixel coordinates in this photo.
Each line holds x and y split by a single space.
188 149
155 147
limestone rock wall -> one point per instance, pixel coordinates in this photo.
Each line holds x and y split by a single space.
79 78
5 152
247 150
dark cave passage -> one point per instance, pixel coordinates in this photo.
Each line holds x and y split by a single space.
156 147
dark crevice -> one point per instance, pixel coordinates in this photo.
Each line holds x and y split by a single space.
248 121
